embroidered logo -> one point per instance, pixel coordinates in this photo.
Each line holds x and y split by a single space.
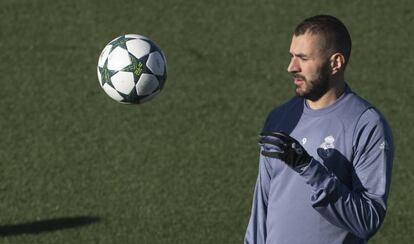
325 150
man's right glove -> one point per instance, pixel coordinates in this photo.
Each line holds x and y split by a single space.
284 147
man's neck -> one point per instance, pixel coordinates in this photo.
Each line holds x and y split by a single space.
329 97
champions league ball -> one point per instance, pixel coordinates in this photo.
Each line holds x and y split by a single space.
132 69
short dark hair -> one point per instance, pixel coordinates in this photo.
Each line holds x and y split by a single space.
331 29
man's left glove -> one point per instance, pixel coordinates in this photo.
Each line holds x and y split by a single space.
282 146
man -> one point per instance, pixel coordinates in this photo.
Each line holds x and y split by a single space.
326 154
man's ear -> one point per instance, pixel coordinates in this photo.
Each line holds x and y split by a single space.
337 62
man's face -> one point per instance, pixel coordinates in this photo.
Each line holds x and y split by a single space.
309 66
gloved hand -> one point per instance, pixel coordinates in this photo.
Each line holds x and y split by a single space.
282 146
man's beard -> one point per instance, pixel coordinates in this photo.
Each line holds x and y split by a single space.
316 88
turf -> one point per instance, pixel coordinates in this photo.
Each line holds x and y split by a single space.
76 167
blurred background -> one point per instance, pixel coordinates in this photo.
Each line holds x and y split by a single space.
77 167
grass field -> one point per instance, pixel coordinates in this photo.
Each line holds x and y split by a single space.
77 167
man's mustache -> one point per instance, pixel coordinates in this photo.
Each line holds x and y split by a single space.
298 76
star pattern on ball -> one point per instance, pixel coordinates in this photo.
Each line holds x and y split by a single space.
120 42
137 66
106 74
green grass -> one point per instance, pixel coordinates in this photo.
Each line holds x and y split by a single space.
181 168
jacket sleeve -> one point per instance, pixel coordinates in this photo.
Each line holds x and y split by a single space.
256 229
361 208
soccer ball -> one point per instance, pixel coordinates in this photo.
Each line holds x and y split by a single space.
132 69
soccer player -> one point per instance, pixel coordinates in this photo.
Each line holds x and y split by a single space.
326 154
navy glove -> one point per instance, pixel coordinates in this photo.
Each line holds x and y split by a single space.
282 146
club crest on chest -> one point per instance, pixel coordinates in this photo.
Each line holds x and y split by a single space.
326 149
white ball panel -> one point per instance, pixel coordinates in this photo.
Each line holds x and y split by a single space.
118 59
104 55
112 92
146 84
164 58
123 82
155 63
145 99
138 48
136 36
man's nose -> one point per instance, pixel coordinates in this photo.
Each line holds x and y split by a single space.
293 66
